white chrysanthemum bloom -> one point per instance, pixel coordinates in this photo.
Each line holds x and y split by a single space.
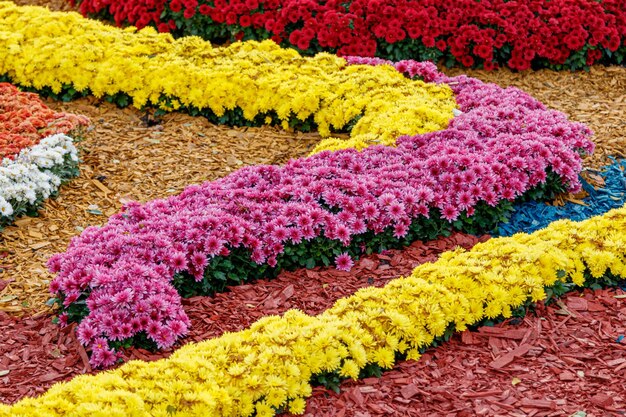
29 176
55 181
30 196
5 208
44 162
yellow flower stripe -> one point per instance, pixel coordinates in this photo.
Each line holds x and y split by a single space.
270 364
41 48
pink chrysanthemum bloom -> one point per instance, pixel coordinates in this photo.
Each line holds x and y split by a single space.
450 213
86 333
343 234
178 262
344 262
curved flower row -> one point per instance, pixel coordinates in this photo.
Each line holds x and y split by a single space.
485 33
269 365
34 175
263 218
484 108
25 120
250 82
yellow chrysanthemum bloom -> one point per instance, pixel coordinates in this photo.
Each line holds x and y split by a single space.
297 406
41 48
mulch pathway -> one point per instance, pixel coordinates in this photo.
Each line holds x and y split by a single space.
37 353
568 359
127 155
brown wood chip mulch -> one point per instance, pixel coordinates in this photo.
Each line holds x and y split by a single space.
54 5
567 360
36 353
127 156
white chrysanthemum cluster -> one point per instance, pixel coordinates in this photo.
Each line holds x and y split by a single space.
29 176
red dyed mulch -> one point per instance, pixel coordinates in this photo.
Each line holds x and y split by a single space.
569 358
38 353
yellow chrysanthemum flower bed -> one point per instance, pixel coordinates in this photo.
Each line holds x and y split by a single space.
40 48
270 364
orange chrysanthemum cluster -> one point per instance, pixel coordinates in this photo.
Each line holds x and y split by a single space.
25 120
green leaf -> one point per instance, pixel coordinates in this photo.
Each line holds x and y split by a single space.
219 275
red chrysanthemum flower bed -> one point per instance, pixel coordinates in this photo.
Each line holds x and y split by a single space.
25 120
488 33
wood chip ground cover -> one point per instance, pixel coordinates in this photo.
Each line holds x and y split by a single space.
564 360
124 158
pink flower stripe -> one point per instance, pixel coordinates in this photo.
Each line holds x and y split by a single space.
501 146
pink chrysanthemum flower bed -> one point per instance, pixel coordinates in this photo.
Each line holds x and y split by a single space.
122 280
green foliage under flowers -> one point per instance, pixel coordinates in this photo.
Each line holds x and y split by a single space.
231 117
139 341
237 268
